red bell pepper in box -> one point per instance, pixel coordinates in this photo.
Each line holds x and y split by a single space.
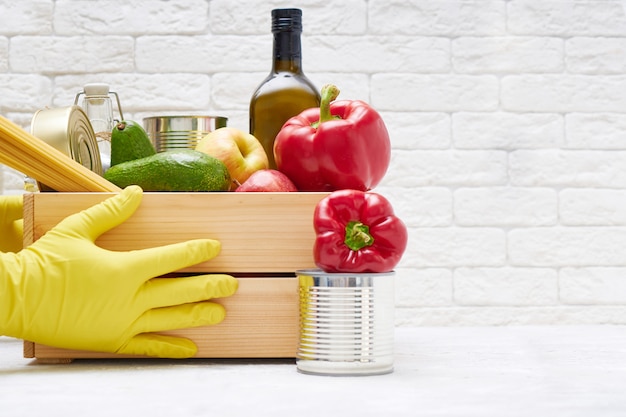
358 232
343 144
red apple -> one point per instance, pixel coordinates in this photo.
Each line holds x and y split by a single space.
241 152
267 180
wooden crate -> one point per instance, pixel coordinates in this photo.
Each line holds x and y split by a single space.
265 238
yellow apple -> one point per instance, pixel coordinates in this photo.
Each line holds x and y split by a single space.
241 152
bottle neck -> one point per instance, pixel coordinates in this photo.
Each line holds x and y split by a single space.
287 52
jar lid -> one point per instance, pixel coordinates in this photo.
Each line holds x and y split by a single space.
96 89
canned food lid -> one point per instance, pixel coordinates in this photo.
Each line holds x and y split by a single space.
319 273
68 130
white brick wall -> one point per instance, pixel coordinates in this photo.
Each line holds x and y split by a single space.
507 117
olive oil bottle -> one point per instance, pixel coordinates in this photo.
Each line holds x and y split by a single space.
286 91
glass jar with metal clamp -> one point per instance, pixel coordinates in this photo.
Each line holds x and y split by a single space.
98 106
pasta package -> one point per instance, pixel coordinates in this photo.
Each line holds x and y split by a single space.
46 164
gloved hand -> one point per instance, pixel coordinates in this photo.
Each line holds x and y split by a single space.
65 291
11 223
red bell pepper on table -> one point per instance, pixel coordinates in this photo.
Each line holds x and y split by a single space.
343 144
357 232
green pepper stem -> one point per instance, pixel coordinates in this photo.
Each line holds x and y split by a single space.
328 94
358 236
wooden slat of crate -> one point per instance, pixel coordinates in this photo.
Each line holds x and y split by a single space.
259 232
261 322
265 238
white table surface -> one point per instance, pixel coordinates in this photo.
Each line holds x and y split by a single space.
547 371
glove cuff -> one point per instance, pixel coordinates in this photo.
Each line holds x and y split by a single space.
12 236
11 298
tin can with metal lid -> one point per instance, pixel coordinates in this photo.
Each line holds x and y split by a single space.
346 323
68 130
184 131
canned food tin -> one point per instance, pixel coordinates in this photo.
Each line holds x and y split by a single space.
346 323
175 132
68 130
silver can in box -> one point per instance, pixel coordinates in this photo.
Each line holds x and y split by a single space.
184 131
346 323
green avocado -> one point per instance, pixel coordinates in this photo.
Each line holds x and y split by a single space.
128 142
173 170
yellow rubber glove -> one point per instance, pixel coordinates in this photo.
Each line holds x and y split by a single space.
65 291
11 223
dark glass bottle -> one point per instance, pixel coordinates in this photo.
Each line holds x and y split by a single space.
286 91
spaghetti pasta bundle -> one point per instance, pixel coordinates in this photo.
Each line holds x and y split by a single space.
34 157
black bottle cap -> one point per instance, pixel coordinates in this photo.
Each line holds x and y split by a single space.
286 20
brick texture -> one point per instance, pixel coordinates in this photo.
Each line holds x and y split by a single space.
507 120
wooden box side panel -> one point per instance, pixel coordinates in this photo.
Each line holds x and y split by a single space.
261 322
259 232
